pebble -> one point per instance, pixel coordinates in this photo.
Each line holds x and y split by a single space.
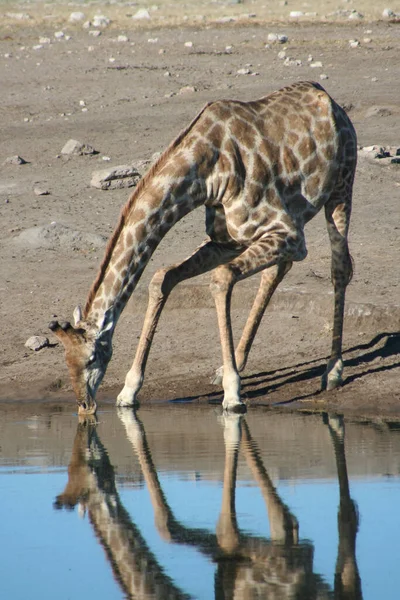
101 21
187 89
122 38
354 43
295 14
277 37
37 342
244 71
59 35
40 192
323 76
15 160
95 32
292 62
75 147
355 15
44 40
113 178
189 44
142 13
75 17
388 13
316 65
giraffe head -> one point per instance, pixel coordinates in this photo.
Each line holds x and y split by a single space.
87 355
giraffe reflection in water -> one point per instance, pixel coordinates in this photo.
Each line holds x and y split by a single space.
247 566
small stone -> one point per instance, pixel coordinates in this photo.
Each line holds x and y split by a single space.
354 15
388 13
292 62
122 38
395 160
44 40
40 192
95 32
277 38
295 14
282 54
101 21
187 89
189 44
37 342
75 147
367 40
323 76
75 17
316 65
152 41
142 13
115 178
354 43
59 35
15 160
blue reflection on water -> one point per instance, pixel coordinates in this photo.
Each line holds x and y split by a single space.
47 553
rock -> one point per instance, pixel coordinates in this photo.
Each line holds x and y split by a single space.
323 76
295 14
59 35
101 21
277 37
292 62
388 13
122 38
18 16
75 17
37 342
355 15
354 43
75 147
15 160
40 192
58 235
316 65
187 89
244 71
142 13
115 178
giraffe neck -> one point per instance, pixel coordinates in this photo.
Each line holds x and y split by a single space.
166 194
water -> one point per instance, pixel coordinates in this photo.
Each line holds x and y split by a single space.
180 502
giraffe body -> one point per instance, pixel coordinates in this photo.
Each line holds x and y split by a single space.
262 170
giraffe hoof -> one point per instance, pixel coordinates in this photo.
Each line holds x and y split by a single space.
127 398
332 378
234 407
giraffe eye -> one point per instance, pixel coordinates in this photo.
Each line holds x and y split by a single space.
91 359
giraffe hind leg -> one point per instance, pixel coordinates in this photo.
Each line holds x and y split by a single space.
337 218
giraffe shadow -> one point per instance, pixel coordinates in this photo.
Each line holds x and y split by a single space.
384 345
362 357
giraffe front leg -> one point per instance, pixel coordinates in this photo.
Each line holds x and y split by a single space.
158 295
270 279
221 289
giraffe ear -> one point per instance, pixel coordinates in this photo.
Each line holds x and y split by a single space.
77 314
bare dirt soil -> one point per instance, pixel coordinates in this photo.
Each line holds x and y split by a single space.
128 98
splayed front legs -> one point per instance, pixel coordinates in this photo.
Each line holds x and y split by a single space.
205 258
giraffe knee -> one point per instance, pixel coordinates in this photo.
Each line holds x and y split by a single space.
222 280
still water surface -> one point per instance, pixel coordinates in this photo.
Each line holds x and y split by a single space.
180 502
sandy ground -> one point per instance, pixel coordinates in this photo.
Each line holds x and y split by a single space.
124 98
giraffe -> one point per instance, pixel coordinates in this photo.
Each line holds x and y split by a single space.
247 566
262 169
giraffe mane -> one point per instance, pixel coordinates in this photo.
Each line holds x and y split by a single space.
112 242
